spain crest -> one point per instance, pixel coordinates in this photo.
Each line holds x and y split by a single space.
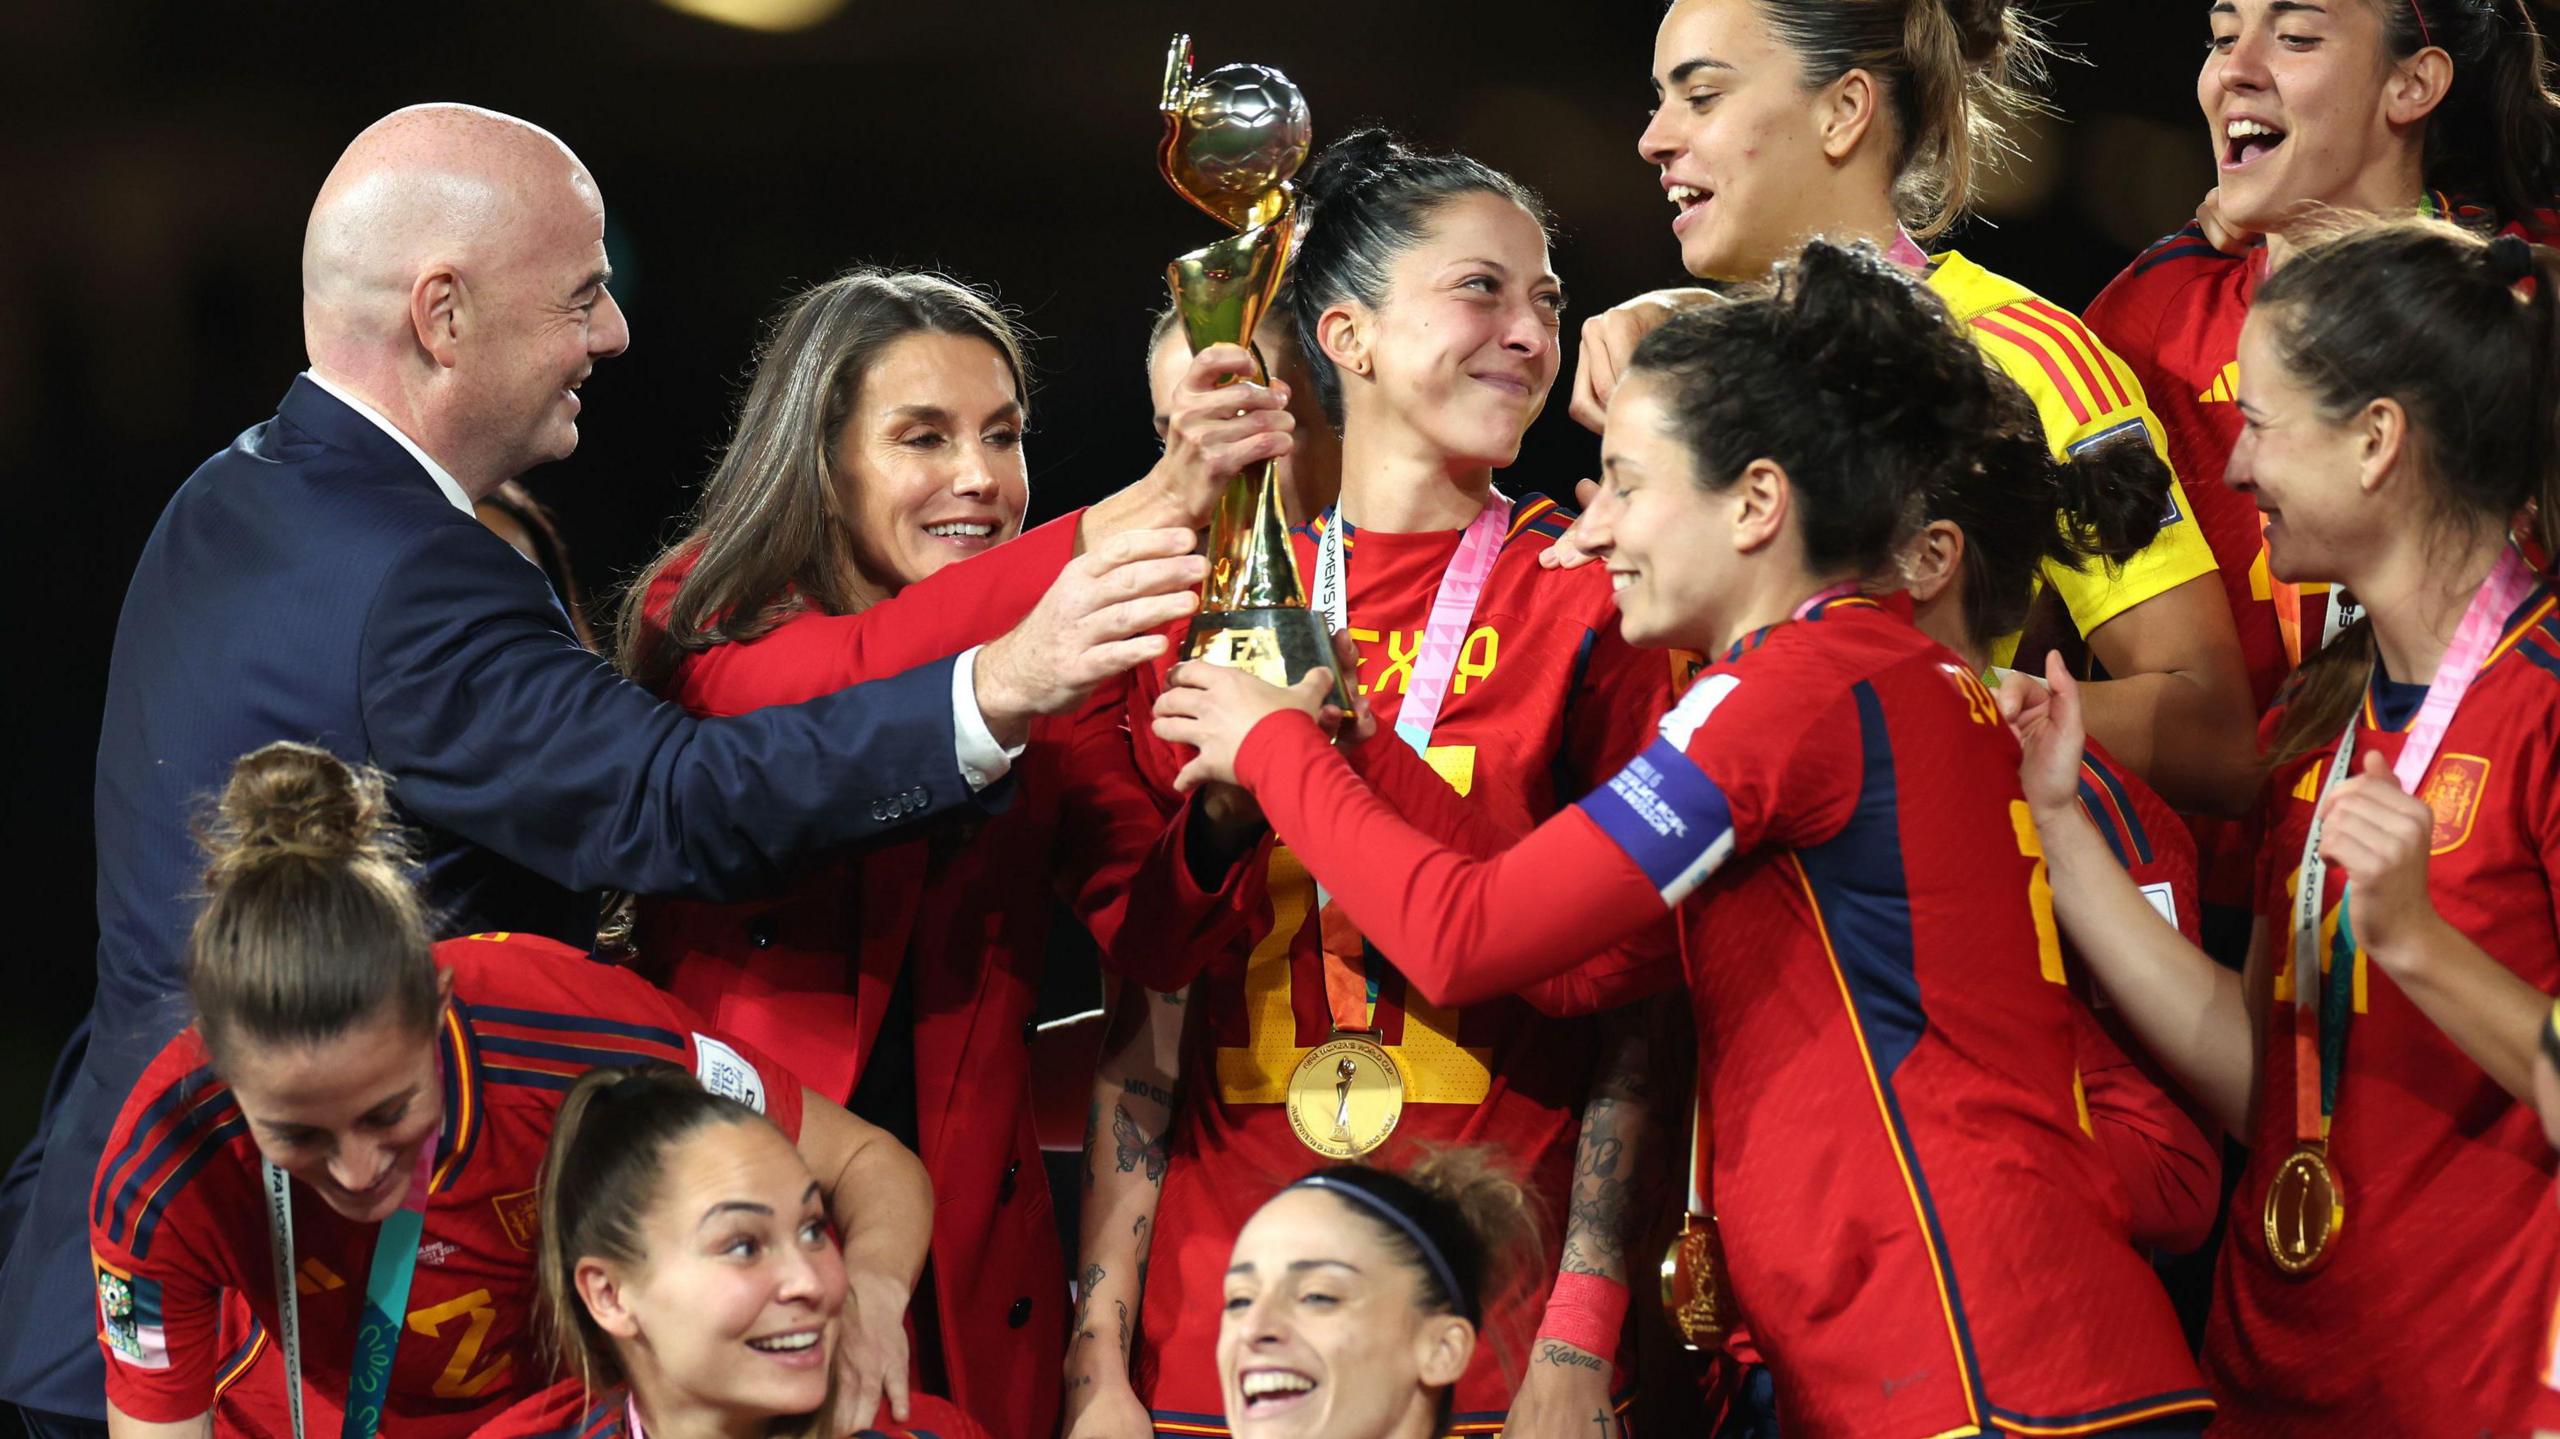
2453 791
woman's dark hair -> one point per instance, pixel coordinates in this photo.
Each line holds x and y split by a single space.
2437 325
1370 199
1480 1224
310 926
767 537
542 531
2496 136
607 1160
2112 499
1848 374
1954 72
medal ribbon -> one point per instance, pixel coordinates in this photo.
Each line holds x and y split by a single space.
1906 251
2320 1027
386 1297
1352 997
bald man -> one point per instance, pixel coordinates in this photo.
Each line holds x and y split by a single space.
323 579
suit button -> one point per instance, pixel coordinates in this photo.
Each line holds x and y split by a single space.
1005 1188
880 811
760 931
1019 1314
918 795
1030 1030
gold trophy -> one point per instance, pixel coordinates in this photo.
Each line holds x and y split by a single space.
1232 140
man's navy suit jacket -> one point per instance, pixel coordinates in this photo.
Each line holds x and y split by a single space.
312 583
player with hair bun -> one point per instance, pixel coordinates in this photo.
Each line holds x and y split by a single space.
1921 1237
2376 1054
1779 120
367 1112
1355 1296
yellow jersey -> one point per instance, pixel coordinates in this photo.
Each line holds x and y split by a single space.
2087 397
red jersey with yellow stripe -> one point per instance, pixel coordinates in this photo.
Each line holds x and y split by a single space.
2087 397
1547 698
1922 1238
2437 1293
178 1220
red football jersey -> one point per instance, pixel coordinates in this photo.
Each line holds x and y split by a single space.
1546 693
2427 1316
2169 1163
178 1222
2174 315
1920 1235
567 1411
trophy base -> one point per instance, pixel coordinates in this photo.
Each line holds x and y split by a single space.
1278 645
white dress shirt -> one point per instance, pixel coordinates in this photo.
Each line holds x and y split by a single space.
982 760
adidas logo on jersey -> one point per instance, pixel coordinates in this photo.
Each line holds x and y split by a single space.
2225 387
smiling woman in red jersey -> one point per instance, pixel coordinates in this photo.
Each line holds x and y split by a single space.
2376 1054
366 1113
688 1279
1779 120
881 447
2374 106
1427 314
1921 1237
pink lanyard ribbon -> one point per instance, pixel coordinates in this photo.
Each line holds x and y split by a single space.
1453 609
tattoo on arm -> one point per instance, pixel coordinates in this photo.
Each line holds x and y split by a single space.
1143 1090
1552 1351
1132 1145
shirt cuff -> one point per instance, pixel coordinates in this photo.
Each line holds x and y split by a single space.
982 760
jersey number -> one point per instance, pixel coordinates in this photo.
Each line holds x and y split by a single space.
478 1312
1437 1069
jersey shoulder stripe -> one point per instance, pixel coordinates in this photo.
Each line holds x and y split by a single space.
2042 352
170 1152
242 1358
149 1128
2188 243
463 1108
555 1049
2101 360
482 1015
1541 516
2110 808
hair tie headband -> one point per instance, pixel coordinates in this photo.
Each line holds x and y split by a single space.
1404 1224
2510 260
2551 1037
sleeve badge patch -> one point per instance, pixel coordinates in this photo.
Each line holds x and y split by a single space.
129 1318
724 1071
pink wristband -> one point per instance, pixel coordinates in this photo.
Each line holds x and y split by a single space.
1587 1312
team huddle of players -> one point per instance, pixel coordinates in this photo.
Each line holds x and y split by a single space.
2040 746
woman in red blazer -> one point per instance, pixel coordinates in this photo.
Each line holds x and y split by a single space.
881 440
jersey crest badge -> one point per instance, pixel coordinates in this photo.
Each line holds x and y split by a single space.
2453 792
520 1215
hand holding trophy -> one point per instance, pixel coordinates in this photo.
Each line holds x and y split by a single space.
1232 142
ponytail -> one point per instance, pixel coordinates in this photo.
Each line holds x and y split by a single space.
2439 326
310 927
603 1171
1954 72
2497 133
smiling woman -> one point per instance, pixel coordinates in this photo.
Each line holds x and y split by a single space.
1354 1297
362 1112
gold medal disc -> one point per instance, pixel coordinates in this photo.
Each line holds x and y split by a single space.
1694 1296
1345 1097
2306 1207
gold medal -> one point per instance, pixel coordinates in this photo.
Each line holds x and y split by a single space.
1694 1296
1345 1097
2306 1207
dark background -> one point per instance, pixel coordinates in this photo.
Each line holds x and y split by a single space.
158 161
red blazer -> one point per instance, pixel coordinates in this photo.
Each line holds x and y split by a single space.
807 974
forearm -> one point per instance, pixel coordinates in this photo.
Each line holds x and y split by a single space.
882 1203
121 1425
2190 1013
2182 733
1462 929
2482 1006
1126 1126
1619 1147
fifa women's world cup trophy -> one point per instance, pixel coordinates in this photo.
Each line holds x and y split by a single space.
1232 140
